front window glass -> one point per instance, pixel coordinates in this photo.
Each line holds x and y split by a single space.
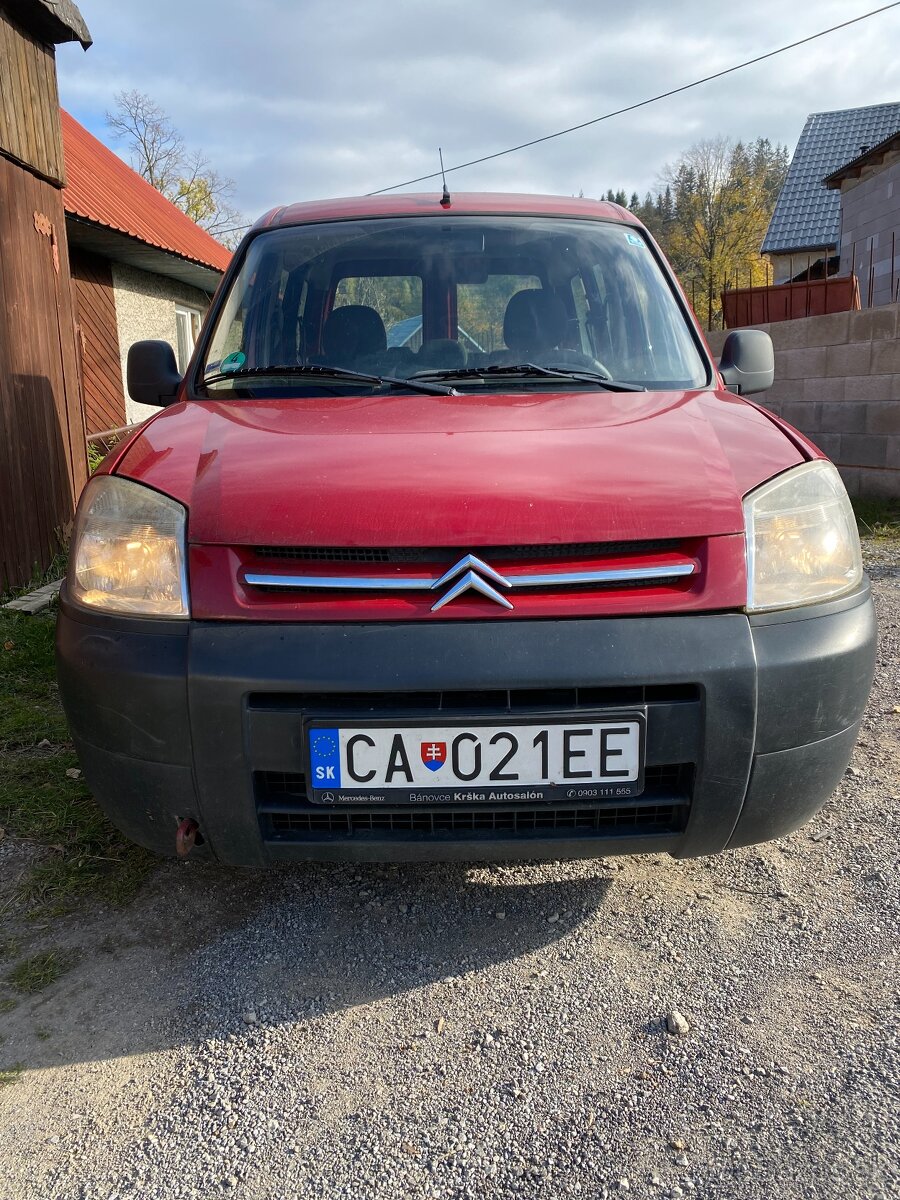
402 297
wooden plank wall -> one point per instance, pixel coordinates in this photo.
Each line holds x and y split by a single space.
101 366
42 450
29 102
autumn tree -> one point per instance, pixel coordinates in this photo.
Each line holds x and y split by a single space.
723 195
711 215
158 153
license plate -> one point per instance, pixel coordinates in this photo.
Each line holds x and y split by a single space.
461 763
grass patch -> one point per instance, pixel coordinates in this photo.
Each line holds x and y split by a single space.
114 878
8 1004
10 948
56 570
87 856
38 972
29 701
878 518
9 1075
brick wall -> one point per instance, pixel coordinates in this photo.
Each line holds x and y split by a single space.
837 379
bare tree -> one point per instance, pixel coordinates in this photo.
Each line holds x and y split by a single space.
158 153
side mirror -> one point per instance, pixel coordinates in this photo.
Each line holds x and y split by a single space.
152 373
748 361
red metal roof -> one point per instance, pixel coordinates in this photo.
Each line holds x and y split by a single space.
101 188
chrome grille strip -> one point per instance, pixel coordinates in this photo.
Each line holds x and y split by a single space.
608 575
345 582
399 583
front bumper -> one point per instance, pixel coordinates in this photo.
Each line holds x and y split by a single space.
750 724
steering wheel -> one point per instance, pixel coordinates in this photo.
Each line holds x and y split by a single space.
575 359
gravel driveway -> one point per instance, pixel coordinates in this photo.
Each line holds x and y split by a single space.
443 1031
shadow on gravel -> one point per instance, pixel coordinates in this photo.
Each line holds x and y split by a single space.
203 948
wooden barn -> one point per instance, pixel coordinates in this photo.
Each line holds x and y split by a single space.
42 440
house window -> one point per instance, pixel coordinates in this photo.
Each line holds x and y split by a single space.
187 330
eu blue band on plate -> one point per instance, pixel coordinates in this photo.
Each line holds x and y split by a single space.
325 758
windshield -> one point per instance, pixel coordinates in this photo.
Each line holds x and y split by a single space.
404 297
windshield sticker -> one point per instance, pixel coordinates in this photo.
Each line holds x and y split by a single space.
233 361
634 240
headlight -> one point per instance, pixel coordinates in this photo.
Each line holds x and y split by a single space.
127 551
802 543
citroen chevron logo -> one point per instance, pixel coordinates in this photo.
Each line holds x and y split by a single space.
471 574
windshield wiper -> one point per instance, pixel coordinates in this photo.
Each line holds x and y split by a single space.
523 370
310 371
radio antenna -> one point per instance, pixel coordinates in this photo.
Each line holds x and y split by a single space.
445 198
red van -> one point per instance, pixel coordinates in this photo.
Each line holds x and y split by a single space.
454 542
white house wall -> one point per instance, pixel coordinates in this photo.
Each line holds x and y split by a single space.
786 266
145 308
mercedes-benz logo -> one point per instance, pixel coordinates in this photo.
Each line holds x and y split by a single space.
473 574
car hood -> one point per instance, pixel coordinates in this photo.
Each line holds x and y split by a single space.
467 470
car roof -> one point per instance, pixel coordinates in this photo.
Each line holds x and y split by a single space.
417 204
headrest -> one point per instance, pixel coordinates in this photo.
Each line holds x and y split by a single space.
351 331
534 320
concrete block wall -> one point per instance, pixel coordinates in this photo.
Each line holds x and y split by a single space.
837 380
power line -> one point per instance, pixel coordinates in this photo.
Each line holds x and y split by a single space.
685 87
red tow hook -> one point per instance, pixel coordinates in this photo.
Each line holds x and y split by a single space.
186 837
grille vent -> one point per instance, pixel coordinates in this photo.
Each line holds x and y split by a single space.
450 554
649 818
524 700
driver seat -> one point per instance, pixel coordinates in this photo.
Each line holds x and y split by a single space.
534 323
352 332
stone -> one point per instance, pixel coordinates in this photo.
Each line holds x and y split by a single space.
677 1024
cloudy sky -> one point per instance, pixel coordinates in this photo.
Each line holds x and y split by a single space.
297 101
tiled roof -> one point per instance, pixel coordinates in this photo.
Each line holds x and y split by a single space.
872 157
101 188
807 213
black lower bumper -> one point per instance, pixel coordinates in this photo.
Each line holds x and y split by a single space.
750 723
